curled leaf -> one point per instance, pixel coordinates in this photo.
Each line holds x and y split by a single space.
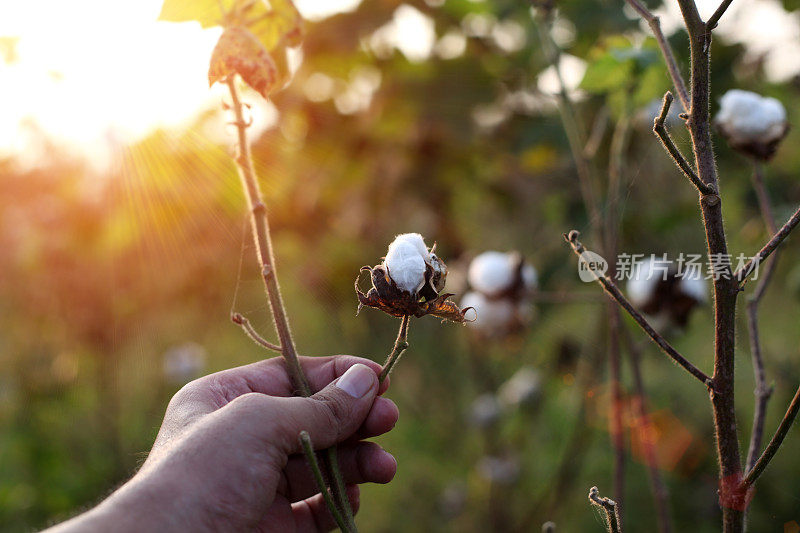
239 52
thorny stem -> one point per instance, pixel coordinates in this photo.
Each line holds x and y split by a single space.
612 290
250 331
775 443
660 129
400 346
311 458
741 275
647 437
263 243
762 391
666 50
610 508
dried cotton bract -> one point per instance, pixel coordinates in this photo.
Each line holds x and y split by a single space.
752 124
409 282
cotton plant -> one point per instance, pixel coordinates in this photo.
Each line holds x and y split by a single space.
500 288
665 295
752 124
409 282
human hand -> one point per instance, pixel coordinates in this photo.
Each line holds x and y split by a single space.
227 455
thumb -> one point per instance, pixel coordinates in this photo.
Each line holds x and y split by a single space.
331 415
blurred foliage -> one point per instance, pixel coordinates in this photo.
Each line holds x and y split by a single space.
101 276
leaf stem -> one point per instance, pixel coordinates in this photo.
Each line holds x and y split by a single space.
250 331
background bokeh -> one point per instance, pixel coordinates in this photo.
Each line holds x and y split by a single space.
117 280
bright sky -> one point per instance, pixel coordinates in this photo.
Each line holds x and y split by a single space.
98 73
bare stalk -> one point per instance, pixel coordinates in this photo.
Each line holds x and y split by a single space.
311 458
666 50
612 290
610 507
250 331
775 443
645 424
400 346
750 267
661 132
263 243
762 390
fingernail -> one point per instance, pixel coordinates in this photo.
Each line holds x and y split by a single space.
357 380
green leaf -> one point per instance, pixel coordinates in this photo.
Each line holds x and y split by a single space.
607 74
207 12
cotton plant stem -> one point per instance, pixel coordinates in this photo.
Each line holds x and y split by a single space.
400 346
748 268
263 243
775 442
614 292
725 287
609 507
311 458
647 438
762 390
666 50
250 331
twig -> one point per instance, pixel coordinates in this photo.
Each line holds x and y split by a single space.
775 443
263 242
659 490
666 50
714 20
609 506
250 331
311 457
762 391
612 290
400 346
741 275
661 132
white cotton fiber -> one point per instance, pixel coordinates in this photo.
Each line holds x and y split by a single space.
694 286
406 261
492 272
644 278
493 317
750 117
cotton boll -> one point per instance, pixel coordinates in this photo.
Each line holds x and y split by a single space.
529 277
406 265
644 280
694 287
492 273
752 123
416 240
493 317
522 388
484 411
